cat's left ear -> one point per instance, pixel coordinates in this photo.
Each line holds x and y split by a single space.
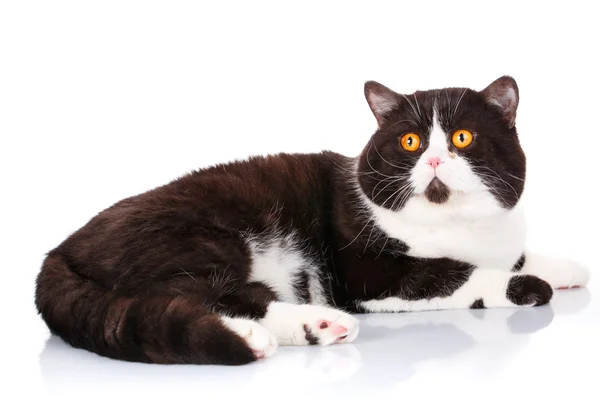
504 94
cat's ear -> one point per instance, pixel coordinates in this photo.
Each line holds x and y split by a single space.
381 99
504 94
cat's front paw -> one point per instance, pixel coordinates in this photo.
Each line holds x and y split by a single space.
573 275
559 273
307 324
528 290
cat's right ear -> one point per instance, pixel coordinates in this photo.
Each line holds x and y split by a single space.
381 99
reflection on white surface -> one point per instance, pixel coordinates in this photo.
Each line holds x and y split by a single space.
392 349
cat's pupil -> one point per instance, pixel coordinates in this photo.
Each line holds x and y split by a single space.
409 141
462 137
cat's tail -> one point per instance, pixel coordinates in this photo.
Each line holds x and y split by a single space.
165 330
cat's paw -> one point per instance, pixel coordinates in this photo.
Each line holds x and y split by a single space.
559 273
340 328
307 324
528 290
262 342
571 275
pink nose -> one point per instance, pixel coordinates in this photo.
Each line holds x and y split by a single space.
434 162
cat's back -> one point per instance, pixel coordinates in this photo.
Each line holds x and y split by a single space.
222 200
254 182
259 182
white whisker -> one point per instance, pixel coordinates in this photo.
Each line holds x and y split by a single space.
386 161
386 186
417 103
393 194
413 108
404 120
379 183
369 163
497 177
458 103
359 233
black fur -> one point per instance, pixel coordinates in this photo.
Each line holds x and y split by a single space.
310 336
528 290
146 279
437 192
519 264
495 147
477 304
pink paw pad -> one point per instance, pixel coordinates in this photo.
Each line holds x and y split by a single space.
334 329
323 324
337 329
569 287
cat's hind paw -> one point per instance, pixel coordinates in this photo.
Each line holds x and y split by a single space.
324 332
262 342
309 324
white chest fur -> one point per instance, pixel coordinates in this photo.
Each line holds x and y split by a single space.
280 261
469 229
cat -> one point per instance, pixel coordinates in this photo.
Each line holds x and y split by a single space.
222 265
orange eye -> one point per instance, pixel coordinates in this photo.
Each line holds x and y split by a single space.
462 138
410 141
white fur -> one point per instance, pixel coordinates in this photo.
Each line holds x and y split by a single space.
504 99
258 338
286 322
382 102
559 273
458 229
510 94
454 170
486 284
277 262
470 227
315 289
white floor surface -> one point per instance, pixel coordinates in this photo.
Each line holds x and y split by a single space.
456 354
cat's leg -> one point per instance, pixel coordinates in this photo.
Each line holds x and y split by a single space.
237 307
559 273
306 324
291 324
170 322
466 287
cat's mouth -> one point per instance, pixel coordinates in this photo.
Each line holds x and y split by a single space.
437 191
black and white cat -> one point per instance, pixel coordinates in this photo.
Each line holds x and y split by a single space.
224 264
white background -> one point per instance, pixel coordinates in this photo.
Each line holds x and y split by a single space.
106 99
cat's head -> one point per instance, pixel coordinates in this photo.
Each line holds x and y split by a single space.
436 144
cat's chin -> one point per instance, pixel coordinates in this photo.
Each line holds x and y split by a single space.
437 191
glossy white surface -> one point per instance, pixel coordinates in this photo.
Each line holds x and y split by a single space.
545 350
103 100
